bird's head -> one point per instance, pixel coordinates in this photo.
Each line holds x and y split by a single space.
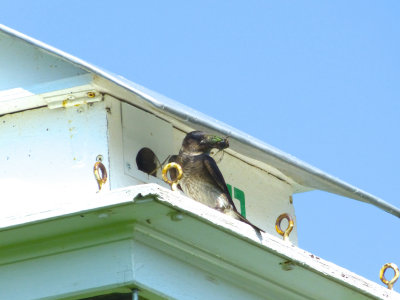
198 142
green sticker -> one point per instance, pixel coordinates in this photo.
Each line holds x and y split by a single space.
239 195
229 189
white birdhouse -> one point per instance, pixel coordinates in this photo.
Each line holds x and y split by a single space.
85 211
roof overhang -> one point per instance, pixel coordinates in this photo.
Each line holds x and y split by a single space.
167 245
80 73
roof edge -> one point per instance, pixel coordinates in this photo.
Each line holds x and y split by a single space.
317 178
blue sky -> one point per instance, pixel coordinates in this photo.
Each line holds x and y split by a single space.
317 79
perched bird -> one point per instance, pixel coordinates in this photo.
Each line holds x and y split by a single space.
202 180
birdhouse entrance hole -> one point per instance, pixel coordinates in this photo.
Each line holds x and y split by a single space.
147 161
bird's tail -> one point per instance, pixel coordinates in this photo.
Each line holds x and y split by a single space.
257 229
239 217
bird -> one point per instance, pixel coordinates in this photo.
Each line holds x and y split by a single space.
202 180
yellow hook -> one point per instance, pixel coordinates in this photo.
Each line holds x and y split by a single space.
173 183
101 179
389 283
288 230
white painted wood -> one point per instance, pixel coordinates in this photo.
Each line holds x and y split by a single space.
28 66
68 273
118 178
74 98
178 278
47 156
19 99
141 129
14 93
129 237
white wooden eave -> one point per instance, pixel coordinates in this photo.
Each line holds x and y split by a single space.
168 246
73 75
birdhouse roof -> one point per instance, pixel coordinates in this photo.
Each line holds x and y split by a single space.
33 70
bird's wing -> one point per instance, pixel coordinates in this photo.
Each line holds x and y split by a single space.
216 174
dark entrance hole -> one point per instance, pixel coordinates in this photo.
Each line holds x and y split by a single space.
147 161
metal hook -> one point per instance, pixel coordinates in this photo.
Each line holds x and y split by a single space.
389 283
173 183
101 180
288 230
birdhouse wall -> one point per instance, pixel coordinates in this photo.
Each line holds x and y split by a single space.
258 195
47 157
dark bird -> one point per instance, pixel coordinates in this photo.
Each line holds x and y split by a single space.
202 180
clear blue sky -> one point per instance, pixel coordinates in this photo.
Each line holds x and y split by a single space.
317 79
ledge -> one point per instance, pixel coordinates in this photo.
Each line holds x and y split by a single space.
154 231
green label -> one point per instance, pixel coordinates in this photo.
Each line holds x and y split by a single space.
239 195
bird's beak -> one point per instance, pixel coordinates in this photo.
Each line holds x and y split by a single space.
216 142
